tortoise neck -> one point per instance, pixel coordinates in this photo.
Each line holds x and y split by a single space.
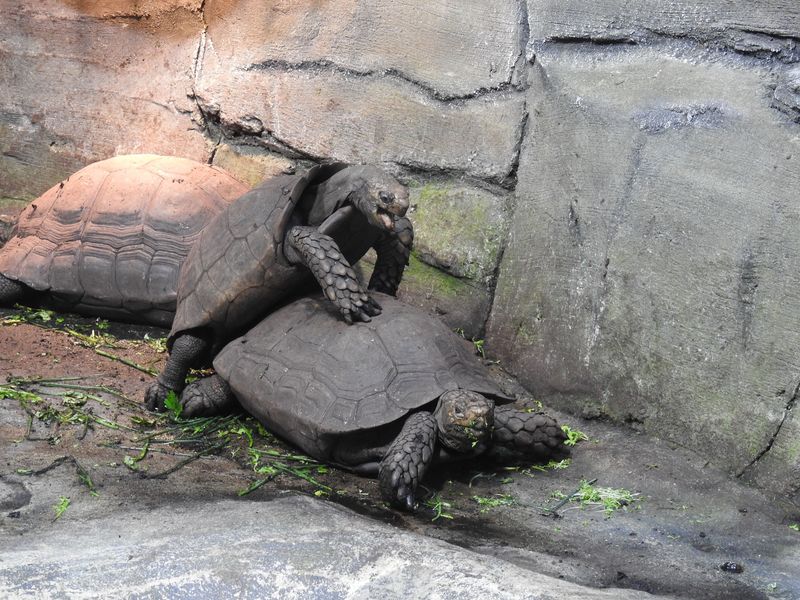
329 196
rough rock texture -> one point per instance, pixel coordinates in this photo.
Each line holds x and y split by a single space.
650 276
633 166
74 92
737 21
294 547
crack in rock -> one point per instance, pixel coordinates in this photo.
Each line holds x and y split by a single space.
786 97
324 65
658 120
786 412
753 44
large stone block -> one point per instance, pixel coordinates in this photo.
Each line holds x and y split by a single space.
653 263
365 119
453 48
762 27
85 81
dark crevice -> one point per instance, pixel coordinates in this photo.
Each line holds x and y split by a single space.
761 47
520 73
597 40
327 66
511 179
786 412
492 286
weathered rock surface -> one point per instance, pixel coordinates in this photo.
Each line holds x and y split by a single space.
653 259
750 27
84 81
373 118
295 547
453 50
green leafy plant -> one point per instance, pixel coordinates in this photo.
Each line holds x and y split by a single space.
795 527
439 507
610 499
61 507
573 435
173 405
494 501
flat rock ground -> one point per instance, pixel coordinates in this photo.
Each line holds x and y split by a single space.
100 498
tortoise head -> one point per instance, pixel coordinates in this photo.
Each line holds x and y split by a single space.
465 420
377 195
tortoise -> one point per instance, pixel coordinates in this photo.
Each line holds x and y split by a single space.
272 244
373 397
109 240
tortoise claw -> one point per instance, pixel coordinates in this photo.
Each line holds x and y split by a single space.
406 461
156 396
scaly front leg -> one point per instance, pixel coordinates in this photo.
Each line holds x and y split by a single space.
320 253
407 460
393 249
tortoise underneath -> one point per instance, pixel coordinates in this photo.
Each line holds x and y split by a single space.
387 397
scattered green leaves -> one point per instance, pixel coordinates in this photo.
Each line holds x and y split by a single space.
33 316
478 344
85 479
132 462
494 501
795 527
439 507
173 405
573 435
158 344
610 499
61 507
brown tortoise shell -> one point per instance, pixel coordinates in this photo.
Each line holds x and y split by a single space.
110 239
313 379
237 271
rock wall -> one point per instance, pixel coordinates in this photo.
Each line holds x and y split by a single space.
606 191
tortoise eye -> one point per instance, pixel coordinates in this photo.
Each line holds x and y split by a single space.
386 197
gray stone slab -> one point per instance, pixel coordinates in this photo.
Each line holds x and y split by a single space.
454 49
738 20
329 114
652 270
295 547
458 228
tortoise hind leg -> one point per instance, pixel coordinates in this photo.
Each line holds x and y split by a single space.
11 291
526 435
407 460
186 352
207 397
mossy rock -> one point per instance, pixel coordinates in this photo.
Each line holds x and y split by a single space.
459 229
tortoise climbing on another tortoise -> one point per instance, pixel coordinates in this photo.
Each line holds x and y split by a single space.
386 397
109 240
271 244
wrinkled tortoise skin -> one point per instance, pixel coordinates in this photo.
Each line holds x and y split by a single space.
110 240
313 379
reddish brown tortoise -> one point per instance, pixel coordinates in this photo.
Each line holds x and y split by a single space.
109 241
